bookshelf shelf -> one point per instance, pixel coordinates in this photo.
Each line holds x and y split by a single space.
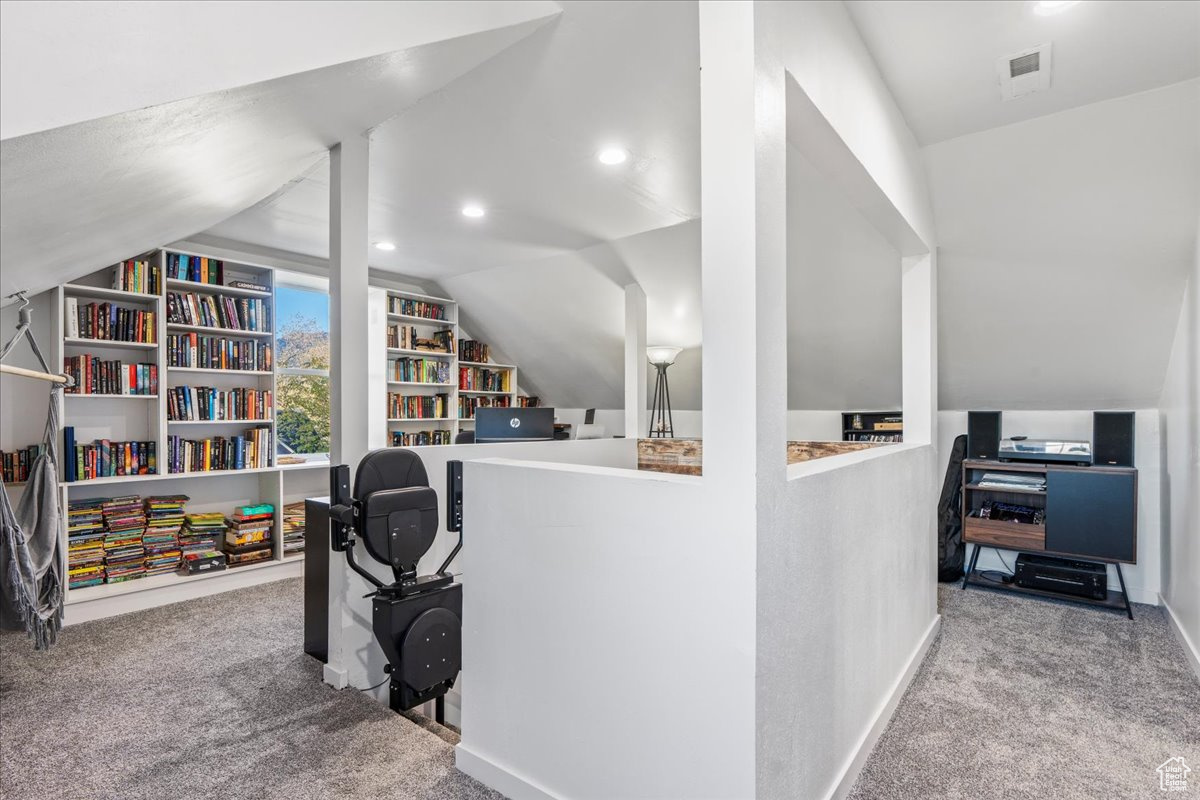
228 332
154 582
211 288
208 371
99 396
486 364
100 293
420 419
219 421
419 353
72 341
483 393
421 383
441 323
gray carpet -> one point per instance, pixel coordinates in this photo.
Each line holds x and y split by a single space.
212 698
1023 698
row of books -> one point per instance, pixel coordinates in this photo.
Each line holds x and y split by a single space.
104 458
421 438
110 322
436 406
219 311
293 527
195 268
416 308
217 352
93 375
481 379
875 437
137 276
472 350
15 464
420 370
532 401
467 405
251 450
208 403
404 337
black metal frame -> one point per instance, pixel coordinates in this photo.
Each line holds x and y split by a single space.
662 426
1126 606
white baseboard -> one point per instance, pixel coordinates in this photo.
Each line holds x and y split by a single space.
335 676
509 784
1189 647
866 744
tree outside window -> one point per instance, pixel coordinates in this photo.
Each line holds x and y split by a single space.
302 370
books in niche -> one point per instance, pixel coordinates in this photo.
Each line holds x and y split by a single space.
203 351
436 406
254 287
416 308
293 527
468 405
199 269
106 458
250 450
421 438
248 534
420 370
93 375
15 465
404 337
472 350
482 379
137 276
219 311
205 403
109 322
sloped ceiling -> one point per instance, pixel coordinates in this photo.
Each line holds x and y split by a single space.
1064 245
76 60
76 198
939 58
520 138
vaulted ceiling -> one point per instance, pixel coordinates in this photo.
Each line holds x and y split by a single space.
1061 219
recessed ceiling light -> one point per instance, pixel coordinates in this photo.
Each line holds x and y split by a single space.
1048 7
613 155
385 246
473 211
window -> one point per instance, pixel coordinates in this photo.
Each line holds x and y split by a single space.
302 365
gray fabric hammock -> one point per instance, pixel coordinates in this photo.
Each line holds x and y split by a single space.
32 561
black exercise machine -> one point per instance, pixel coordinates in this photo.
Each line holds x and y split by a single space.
417 619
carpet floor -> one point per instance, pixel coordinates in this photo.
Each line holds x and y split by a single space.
1024 698
211 698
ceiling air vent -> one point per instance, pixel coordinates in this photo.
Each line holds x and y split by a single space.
1025 72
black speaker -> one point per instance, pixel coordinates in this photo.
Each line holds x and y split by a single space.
983 434
1112 438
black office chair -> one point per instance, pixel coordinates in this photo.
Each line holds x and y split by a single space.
417 619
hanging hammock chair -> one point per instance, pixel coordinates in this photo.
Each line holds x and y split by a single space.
32 557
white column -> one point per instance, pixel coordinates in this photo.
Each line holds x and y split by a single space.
743 246
635 361
349 369
918 324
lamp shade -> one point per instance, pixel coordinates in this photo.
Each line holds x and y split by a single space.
662 355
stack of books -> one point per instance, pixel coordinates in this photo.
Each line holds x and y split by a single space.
85 543
124 525
248 534
293 527
200 534
164 520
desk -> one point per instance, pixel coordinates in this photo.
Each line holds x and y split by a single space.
1090 513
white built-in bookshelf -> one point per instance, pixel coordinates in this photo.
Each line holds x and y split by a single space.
432 389
151 417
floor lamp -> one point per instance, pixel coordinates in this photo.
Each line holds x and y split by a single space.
661 424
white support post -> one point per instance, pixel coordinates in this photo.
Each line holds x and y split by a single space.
635 361
918 320
743 200
349 365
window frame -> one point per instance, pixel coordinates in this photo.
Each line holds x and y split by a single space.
301 282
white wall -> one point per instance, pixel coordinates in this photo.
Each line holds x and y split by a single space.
1180 416
355 658
850 590
609 643
67 62
1141 579
23 402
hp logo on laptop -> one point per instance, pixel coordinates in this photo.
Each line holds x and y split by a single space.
514 423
